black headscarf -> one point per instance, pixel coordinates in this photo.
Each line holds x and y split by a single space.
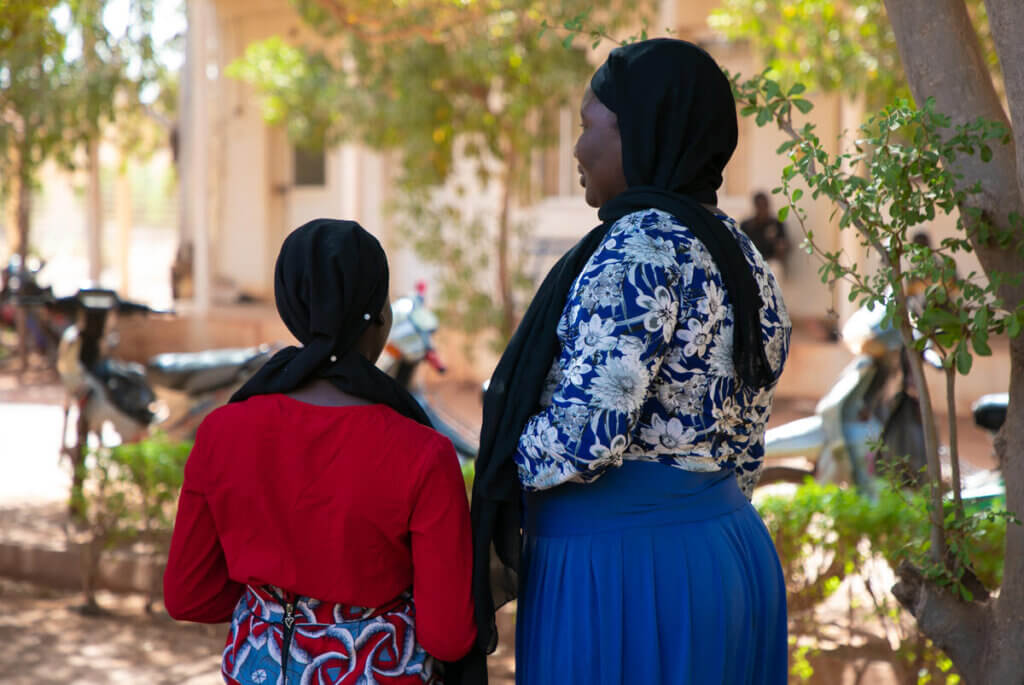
677 119
330 285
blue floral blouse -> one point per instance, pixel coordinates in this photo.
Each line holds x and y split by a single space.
645 370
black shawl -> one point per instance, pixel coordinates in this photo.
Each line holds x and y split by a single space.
677 119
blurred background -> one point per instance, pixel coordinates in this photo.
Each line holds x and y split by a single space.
155 153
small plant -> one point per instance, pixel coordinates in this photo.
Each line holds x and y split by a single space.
826 535
129 495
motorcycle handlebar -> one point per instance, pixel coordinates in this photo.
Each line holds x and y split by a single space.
125 307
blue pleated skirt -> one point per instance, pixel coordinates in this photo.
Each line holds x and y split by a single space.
649 575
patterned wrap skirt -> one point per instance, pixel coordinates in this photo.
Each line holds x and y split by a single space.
330 644
650 575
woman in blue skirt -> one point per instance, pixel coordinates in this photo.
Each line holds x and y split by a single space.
624 426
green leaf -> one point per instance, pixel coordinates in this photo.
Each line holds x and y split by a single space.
785 147
1013 325
804 106
963 359
980 341
797 194
796 89
783 212
764 116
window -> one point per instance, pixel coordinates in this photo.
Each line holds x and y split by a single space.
310 167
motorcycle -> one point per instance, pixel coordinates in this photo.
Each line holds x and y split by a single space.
23 310
121 394
409 344
110 391
838 443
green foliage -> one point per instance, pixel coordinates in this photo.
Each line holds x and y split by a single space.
832 523
845 46
130 491
53 101
36 89
825 535
897 180
439 82
128 495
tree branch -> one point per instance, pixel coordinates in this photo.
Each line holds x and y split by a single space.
958 628
786 124
943 59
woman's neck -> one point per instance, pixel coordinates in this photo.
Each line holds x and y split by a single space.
323 393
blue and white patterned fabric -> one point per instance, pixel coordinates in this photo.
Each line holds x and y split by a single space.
645 370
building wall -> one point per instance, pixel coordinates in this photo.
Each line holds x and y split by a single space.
257 203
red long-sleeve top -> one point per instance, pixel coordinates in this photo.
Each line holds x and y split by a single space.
349 505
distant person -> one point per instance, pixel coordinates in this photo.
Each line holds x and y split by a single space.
766 231
321 515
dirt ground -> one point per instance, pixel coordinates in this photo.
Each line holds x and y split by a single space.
44 639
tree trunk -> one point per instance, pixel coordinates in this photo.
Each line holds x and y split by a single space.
942 58
931 442
94 214
508 314
954 440
89 565
19 211
19 207
78 452
123 201
1006 18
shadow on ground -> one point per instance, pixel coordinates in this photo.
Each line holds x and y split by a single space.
44 640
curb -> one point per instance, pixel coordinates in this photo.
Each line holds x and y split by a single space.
58 567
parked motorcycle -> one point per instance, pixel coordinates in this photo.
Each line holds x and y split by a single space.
859 412
23 309
108 390
409 344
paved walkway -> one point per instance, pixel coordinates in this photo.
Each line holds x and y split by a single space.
29 454
44 639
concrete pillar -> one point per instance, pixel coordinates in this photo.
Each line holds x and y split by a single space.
123 212
94 213
196 137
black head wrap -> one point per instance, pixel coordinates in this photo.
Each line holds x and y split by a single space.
330 285
677 119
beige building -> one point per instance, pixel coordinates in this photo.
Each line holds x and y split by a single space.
245 187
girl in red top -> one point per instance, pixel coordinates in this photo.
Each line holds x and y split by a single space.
320 513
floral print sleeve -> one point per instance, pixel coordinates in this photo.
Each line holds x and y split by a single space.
645 370
619 320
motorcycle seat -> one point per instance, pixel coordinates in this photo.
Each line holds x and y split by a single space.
990 410
126 387
196 373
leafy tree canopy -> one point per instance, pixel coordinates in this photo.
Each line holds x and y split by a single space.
835 45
